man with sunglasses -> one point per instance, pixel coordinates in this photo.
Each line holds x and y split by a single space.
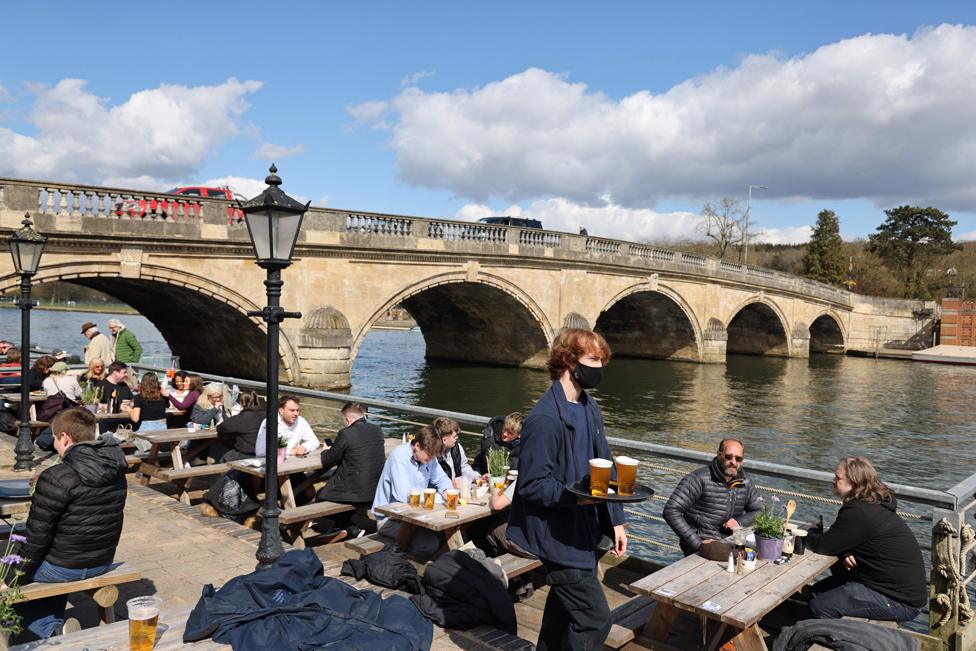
711 501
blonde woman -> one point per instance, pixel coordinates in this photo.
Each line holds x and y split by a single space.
96 371
209 408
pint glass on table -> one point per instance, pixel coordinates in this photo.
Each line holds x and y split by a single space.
600 476
626 475
414 499
143 617
451 499
429 498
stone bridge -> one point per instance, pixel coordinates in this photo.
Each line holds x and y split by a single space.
480 293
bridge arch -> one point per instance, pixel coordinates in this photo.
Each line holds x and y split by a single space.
827 334
651 321
481 318
758 326
195 315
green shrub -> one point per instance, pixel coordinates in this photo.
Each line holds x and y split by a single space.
768 524
497 462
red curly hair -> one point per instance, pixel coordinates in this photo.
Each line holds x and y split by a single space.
570 345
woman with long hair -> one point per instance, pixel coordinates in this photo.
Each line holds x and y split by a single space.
96 371
209 410
192 388
148 409
39 371
881 574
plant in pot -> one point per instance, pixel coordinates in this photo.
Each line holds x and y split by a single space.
90 396
497 466
282 448
768 528
10 620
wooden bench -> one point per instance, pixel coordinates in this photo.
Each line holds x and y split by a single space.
488 638
297 520
183 477
100 588
366 545
516 565
36 426
628 618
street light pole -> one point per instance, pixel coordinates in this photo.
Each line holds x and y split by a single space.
745 228
273 221
26 246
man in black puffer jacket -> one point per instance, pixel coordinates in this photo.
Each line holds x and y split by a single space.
75 519
709 502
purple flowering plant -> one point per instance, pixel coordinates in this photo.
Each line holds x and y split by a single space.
10 573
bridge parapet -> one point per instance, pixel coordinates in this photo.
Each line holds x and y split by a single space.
78 208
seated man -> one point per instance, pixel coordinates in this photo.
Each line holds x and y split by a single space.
501 432
301 440
411 466
883 575
711 501
490 534
452 459
115 391
357 456
75 519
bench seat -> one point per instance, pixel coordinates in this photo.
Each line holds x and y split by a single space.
366 545
515 565
628 618
179 474
296 520
100 588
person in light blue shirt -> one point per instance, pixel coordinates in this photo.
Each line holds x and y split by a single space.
412 465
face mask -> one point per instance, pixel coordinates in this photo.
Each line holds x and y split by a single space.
588 376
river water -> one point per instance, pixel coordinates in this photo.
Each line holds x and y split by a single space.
913 420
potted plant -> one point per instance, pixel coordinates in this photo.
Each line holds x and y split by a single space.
90 396
768 528
282 448
497 466
9 591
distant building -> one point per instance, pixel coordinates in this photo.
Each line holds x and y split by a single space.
958 322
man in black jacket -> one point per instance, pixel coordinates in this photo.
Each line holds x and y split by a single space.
75 519
358 457
883 574
500 432
709 502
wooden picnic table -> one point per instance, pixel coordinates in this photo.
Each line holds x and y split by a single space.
151 466
14 506
736 602
413 517
291 466
35 396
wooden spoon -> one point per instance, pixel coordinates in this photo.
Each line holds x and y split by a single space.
790 510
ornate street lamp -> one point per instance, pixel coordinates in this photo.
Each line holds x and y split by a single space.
273 222
26 246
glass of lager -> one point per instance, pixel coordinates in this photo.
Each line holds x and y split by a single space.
414 499
143 617
626 475
600 476
429 498
451 498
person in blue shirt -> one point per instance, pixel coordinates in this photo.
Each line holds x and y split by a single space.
559 437
412 465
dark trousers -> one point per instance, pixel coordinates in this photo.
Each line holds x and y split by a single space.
576 615
840 595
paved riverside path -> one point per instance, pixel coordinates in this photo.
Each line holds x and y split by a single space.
178 551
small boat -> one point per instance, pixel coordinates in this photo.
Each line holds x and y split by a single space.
944 354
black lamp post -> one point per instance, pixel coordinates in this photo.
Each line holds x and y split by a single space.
273 222
26 246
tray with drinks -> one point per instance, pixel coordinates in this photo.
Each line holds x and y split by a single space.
582 489
600 487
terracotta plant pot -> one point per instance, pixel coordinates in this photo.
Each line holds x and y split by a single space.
769 549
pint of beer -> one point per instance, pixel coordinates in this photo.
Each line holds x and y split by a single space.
451 498
414 499
143 617
600 476
429 498
626 475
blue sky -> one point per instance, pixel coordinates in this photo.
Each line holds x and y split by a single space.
624 117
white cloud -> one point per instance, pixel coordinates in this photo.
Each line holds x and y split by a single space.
272 152
791 235
966 237
411 80
879 117
4 94
152 140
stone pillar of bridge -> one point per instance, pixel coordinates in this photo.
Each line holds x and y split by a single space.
324 345
800 341
715 341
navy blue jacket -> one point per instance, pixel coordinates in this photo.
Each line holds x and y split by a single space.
545 518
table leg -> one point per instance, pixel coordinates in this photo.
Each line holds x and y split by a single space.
405 535
177 454
453 538
287 495
750 639
658 626
149 467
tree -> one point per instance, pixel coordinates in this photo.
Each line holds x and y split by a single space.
724 223
909 240
824 260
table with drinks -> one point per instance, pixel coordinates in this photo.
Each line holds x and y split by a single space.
449 518
290 466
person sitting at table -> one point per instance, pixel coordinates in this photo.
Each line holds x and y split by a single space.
209 410
148 409
184 398
357 457
58 381
411 466
95 373
709 502
501 432
452 458
39 371
238 434
75 519
490 534
5 346
298 434
10 370
114 390
882 574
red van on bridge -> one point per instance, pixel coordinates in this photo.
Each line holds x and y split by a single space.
159 206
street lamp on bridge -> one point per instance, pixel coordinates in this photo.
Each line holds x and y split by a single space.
273 221
26 247
745 226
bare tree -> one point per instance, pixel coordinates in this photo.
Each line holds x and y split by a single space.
724 222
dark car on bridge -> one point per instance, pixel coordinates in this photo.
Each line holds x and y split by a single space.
134 207
511 221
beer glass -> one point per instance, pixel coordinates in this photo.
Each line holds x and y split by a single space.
414 499
429 498
626 475
800 542
451 498
143 617
600 476
788 540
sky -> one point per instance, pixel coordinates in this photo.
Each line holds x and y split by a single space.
622 117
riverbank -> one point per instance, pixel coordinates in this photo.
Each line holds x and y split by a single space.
100 308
